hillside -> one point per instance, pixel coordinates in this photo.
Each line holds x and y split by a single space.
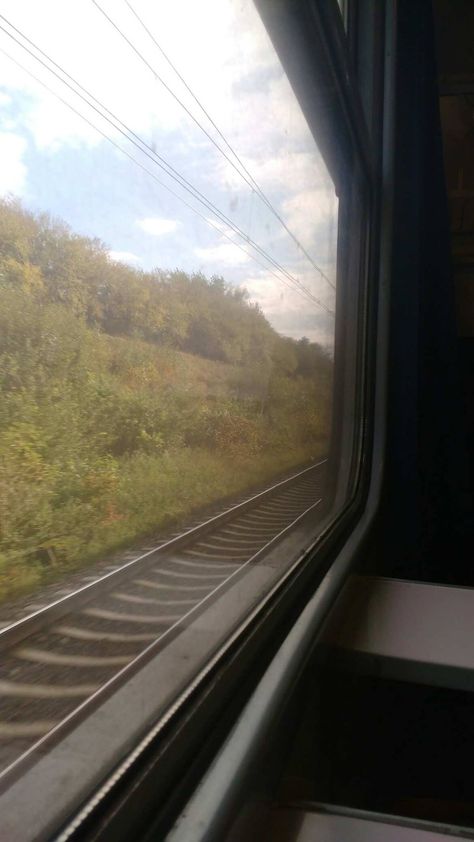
130 398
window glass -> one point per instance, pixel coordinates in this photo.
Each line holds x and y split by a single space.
168 236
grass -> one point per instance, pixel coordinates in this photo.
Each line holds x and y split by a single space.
155 493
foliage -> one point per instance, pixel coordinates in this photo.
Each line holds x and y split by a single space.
130 398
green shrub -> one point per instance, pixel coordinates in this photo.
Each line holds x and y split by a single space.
129 399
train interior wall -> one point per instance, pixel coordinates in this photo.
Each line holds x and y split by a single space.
361 741
425 524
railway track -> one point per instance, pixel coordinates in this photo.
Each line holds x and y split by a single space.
60 656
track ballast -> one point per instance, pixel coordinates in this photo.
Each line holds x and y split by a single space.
58 657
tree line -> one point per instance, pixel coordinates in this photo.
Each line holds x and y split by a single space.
129 397
188 312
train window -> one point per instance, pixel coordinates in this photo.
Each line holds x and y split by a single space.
178 346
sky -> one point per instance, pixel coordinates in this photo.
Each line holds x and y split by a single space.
258 206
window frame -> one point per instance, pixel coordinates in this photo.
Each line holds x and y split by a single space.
210 809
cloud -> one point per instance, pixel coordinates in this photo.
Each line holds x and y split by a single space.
311 215
215 222
288 170
296 170
290 313
156 226
226 56
225 253
312 205
13 171
124 257
227 74
53 126
123 82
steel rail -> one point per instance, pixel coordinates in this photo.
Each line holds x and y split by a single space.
119 678
38 620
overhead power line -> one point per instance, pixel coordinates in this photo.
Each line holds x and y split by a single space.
244 172
167 168
299 287
254 185
153 176
138 163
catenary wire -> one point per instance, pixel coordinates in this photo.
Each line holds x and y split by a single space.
166 167
189 113
155 178
248 177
